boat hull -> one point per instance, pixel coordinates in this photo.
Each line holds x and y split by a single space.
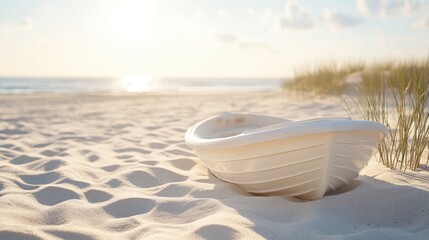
305 166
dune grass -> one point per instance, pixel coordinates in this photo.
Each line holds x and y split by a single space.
324 79
393 93
398 97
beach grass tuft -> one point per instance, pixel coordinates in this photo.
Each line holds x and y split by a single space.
397 96
328 78
395 93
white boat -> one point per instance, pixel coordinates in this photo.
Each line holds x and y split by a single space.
273 156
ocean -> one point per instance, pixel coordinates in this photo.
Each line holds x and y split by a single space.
13 85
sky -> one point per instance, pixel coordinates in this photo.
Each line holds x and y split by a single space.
204 38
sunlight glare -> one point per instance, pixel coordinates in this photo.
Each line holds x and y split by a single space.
135 83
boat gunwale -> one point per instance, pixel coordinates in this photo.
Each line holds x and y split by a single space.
295 129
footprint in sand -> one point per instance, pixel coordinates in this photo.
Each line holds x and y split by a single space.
125 156
183 163
54 195
167 175
76 183
142 179
154 145
93 158
122 125
52 165
157 145
44 178
129 207
174 190
149 162
158 177
23 159
25 186
49 153
40 145
111 168
17 236
132 149
13 132
6 155
114 183
53 152
215 231
7 145
95 196
151 128
12 147
63 154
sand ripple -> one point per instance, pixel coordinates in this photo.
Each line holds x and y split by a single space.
116 167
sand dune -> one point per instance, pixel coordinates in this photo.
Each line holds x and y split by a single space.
116 166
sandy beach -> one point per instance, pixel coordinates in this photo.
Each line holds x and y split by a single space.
113 166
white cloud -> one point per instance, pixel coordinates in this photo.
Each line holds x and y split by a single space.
368 6
422 22
335 19
295 17
389 7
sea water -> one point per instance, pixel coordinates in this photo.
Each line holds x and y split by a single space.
135 84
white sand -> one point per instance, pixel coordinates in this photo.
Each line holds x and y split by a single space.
116 167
